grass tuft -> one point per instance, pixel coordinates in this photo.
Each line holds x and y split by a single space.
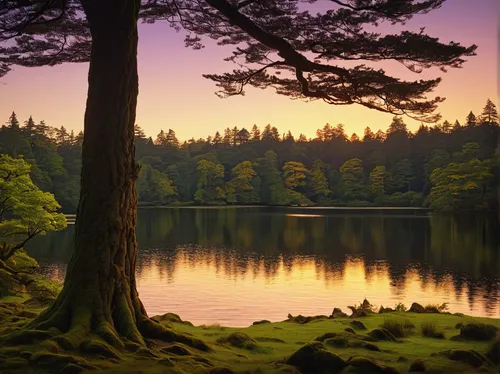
398 328
429 330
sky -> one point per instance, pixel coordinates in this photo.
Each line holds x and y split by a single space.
174 95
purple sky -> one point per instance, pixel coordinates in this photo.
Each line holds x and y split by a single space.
173 94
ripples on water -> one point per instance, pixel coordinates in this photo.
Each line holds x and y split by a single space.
236 266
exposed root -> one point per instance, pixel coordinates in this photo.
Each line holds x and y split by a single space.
151 329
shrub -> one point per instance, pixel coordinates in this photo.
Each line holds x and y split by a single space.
400 307
429 330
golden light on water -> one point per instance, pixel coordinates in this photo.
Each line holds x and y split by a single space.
204 287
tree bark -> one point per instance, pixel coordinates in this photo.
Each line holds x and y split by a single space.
99 294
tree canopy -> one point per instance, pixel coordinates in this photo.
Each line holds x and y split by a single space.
277 44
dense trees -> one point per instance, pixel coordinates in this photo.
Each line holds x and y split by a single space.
441 167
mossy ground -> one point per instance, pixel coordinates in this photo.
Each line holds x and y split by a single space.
261 348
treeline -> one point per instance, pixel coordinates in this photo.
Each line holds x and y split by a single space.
446 167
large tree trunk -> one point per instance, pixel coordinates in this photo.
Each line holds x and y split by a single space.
99 294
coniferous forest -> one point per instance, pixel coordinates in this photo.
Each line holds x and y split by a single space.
449 166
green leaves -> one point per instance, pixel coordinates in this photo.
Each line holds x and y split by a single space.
25 210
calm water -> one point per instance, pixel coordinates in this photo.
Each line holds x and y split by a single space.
234 266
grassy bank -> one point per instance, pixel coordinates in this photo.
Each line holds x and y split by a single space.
369 342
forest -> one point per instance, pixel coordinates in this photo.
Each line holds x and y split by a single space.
446 167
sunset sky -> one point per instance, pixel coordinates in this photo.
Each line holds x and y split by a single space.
173 94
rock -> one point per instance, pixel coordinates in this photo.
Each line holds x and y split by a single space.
221 370
325 336
338 313
417 366
364 345
260 322
416 308
239 340
269 340
176 349
358 325
338 341
171 317
359 314
494 352
385 310
471 357
349 330
478 331
367 366
431 309
300 319
314 358
382 334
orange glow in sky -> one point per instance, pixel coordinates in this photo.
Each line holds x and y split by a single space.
173 94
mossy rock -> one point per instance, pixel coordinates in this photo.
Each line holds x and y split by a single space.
314 358
325 336
494 352
239 340
416 308
358 325
171 317
365 365
13 365
417 366
385 310
338 313
478 331
338 341
364 345
470 357
350 330
177 350
382 335
300 319
262 322
269 340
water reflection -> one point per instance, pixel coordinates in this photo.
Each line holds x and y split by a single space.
234 266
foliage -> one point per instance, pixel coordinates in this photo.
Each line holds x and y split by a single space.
312 170
25 210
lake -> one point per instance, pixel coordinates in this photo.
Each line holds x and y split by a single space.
234 266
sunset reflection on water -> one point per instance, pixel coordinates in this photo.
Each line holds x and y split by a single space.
236 266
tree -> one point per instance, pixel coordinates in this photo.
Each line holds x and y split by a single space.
318 184
210 182
295 175
243 174
377 180
402 175
154 186
489 115
171 139
105 33
368 134
352 178
471 120
255 133
26 211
